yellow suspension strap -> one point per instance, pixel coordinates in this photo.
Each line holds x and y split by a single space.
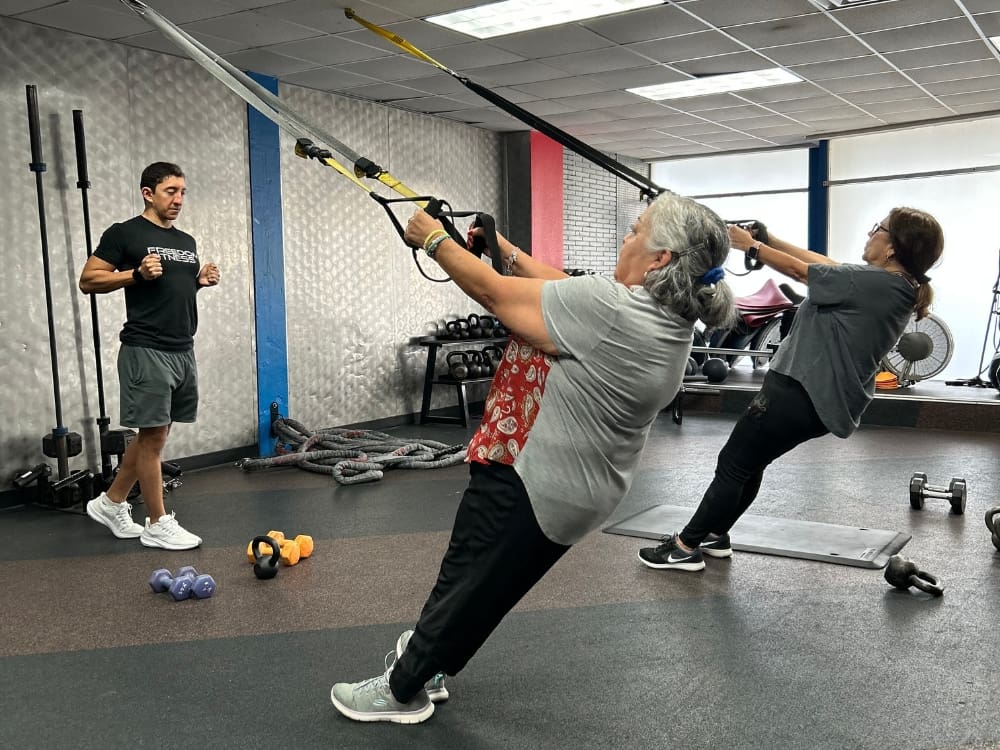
305 132
647 188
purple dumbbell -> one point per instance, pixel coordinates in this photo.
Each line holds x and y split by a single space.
186 584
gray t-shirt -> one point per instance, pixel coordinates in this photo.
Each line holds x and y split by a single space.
852 317
621 361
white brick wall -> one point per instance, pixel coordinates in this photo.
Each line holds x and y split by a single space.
597 211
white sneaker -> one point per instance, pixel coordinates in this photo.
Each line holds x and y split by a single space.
116 516
168 534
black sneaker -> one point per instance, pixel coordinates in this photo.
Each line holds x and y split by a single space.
670 556
717 545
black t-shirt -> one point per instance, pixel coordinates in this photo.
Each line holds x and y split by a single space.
162 313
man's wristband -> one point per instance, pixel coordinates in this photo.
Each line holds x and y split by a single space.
137 276
431 247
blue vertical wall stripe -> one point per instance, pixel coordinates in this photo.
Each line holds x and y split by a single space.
819 197
268 268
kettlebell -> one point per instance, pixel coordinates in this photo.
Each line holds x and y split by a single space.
691 368
715 369
265 566
993 524
500 331
491 357
452 328
458 369
487 323
476 367
475 327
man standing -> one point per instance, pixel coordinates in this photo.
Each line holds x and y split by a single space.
157 266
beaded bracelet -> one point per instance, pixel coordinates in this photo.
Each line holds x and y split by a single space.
432 246
430 237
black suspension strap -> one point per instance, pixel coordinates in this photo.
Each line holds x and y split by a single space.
647 188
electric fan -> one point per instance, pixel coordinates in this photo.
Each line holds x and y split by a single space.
923 351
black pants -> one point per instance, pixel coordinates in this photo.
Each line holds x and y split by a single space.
496 554
779 418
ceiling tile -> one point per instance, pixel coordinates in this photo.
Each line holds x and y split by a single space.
87 19
557 40
326 16
252 29
941 55
854 66
727 13
581 118
432 104
268 63
596 61
561 87
649 76
600 100
823 50
470 56
326 50
923 35
155 41
736 62
882 108
185 11
965 86
883 95
956 72
989 23
878 16
780 93
385 92
687 47
926 114
795 106
544 108
13 7
516 73
974 97
642 25
865 83
786 31
327 79
394 68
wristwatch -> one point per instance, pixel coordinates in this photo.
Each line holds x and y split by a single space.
751 260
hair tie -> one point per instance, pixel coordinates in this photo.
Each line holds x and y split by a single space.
712 275
921 279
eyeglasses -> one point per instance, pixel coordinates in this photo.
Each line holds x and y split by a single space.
877 227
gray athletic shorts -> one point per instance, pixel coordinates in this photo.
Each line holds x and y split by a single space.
157 387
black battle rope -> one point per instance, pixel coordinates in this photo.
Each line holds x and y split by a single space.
353 456
647 188
306 134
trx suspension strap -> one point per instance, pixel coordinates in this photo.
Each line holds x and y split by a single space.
307 134
647 188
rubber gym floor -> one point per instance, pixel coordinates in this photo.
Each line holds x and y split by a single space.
755 652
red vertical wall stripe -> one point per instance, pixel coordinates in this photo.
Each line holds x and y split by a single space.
546 200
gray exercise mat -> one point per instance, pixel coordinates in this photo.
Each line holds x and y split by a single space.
826 542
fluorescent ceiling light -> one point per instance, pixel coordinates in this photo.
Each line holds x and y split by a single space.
996 41
752 79
511 16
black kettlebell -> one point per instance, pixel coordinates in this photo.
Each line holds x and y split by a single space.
477 367
993 524
902 573
691 368
715 369
452 328
490 360
500 331
487 323
458 369
265 566
475 327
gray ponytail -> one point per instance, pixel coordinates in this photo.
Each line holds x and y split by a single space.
698 241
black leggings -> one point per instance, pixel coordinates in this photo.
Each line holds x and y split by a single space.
779 418
496 554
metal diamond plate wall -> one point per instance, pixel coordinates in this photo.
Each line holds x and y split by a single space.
354 296
138 107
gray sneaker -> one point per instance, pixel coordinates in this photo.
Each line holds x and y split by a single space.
435 687
372 700
116 516
166 533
